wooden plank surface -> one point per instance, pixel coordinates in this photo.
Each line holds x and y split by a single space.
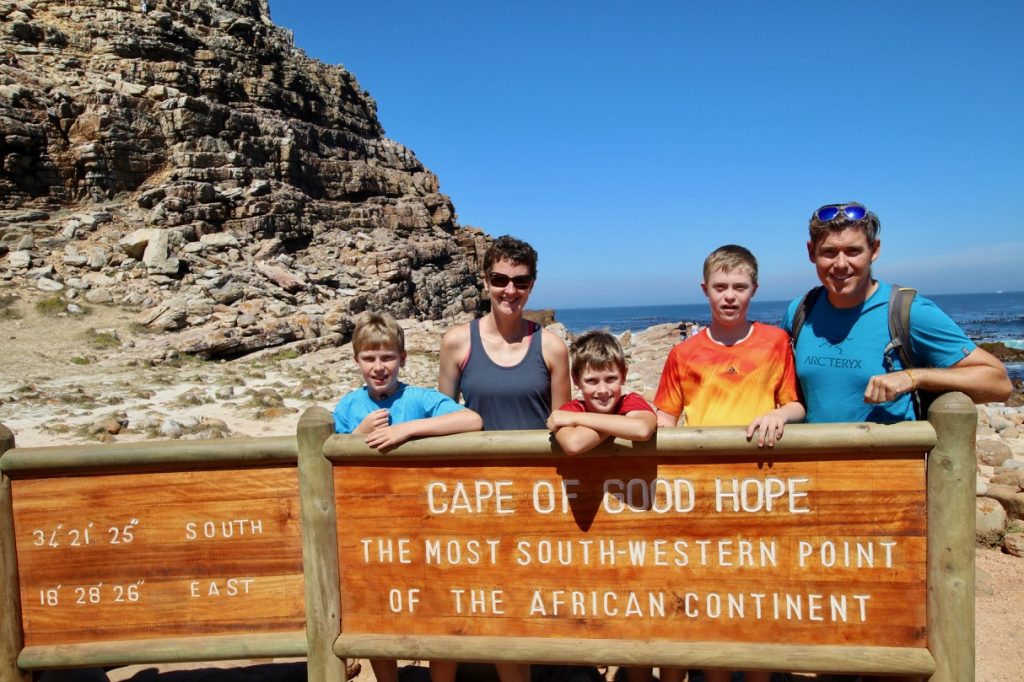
120 557
829 550
820 658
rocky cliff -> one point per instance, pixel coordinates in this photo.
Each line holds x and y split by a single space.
191 161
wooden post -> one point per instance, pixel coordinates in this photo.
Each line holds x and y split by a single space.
951 521
11 639
319 547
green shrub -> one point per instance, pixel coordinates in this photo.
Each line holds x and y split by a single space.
102 339
995 538
7 311
52 305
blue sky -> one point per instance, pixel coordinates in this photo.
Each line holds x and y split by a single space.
626 140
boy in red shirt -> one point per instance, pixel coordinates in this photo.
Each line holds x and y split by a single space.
599 372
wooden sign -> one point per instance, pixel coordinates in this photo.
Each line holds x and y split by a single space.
116 557
829 550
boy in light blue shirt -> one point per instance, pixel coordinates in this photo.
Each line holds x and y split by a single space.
386 410
389 412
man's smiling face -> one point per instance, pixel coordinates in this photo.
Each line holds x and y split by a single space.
843 260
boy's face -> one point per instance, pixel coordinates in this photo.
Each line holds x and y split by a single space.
379 367
843 260
729 295
601 388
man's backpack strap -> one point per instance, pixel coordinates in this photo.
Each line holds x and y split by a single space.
899 331
803 309
900 300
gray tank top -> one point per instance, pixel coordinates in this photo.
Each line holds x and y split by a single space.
516 397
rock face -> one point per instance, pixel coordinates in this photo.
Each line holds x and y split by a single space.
191 158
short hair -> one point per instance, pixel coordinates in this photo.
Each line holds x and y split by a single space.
375 331
731 257
596 349
869 224
507 247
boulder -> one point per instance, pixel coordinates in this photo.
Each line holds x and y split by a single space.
992 452
19 260
1013 478
135 244
1010 497
156 256
1013 543
166 317
990 517
289 281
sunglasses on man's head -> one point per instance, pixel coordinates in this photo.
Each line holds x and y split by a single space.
830 212
500 280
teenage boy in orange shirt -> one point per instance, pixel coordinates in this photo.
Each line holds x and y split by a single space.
733 372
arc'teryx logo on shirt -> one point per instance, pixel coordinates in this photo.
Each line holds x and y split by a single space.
838 363
836 345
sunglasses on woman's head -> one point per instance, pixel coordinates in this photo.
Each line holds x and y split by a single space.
830 212
500 280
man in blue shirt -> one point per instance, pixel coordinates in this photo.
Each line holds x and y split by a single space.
840 351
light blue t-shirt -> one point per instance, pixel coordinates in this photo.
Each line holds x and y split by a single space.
840 349
405 404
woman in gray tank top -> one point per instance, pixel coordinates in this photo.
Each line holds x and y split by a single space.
509 370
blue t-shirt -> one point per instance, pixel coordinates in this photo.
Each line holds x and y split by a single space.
840 349
405 404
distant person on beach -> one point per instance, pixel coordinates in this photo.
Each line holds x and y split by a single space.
848 369
732 372
508 369
388 412
599 372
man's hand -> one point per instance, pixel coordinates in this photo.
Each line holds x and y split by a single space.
885 387
377 419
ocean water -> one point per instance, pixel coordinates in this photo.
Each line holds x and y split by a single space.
984 317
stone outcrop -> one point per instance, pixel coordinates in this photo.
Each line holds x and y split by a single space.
191 158
1000 457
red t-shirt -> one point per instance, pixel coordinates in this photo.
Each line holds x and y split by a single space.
631 402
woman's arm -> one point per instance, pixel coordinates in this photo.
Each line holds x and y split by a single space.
556 357
454 346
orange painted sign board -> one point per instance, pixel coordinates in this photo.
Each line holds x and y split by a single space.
822 550
130 556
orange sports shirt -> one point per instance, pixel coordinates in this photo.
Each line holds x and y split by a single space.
720 385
